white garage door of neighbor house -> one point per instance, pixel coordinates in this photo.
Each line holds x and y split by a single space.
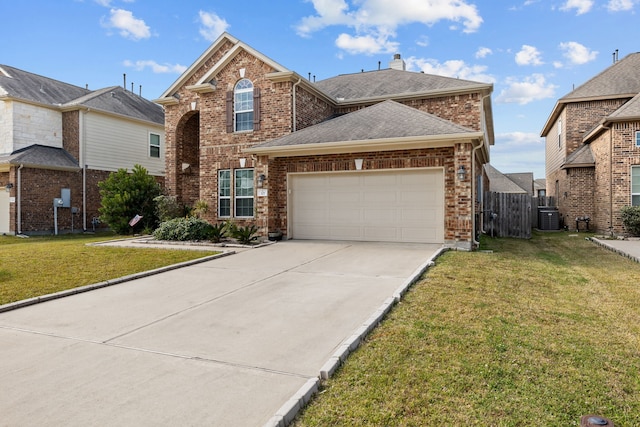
380 206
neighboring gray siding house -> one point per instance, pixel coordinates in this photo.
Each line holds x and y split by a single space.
593 147
56 136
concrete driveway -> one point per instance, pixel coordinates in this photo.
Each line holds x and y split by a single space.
227 342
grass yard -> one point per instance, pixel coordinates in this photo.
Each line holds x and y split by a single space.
43 265
537 332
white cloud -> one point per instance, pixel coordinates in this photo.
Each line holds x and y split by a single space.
531 88
377 20
212 26
576 53
519 152
528 55
105 3
581 6
128 26
483 52
620 5
368 45
453 68
155 67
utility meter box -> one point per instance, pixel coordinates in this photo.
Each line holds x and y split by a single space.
65 195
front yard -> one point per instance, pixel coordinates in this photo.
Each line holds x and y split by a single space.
537 332
43 265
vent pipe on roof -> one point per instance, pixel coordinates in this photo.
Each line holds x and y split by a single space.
398 63
140 93
615 56
379 63
309 77
124 85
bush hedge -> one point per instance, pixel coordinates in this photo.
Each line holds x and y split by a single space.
184 229
631 219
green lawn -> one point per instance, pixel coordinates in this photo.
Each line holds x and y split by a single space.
537 332
43 265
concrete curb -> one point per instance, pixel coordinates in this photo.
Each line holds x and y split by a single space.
290 410
612 248
62 294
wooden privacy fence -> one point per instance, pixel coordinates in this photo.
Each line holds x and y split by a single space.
509 215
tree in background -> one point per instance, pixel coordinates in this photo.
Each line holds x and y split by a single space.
125 195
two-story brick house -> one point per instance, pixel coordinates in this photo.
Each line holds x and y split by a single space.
387 155
593 148
58 141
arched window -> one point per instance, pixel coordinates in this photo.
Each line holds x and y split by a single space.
243 105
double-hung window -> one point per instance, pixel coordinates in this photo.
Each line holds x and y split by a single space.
224 193
154 145
637 138
241 200
635 186
243 193
243 105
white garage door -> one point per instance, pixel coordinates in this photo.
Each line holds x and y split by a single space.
389 206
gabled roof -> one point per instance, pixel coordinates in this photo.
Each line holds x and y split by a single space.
41 157
581 158
238 46
629 111
22 85
620 80
389 123
16 83
392 83
501 183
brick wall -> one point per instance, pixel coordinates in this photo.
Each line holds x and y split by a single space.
458 219
625 155
581 117
71 133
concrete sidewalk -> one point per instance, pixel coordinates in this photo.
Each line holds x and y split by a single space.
629 248
236 341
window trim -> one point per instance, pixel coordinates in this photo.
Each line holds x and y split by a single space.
638 138
248 89
636 169
220 197
237 197
151 145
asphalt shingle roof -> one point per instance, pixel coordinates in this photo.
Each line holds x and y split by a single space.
621 78
41 156
582 157
629 110
21 84
388 119
387 83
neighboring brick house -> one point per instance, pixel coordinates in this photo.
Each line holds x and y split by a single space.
57 141
593 148
386 155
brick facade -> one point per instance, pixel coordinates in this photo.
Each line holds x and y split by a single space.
195 122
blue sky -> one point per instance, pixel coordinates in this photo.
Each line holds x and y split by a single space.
533 51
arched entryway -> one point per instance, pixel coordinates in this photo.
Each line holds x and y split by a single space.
187 166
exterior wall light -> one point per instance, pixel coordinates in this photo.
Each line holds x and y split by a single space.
261 179
8 187
462 173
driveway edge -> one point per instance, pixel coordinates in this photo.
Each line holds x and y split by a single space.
290 410
62 294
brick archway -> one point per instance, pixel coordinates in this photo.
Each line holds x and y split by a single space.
187 163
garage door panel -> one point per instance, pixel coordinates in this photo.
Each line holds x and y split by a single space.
398 205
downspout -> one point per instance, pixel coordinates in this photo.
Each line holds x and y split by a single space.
610 178
19 201
294 104
473 173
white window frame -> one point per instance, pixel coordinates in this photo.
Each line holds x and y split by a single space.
638 138
635 189
243 105
241 183
226 196
152 145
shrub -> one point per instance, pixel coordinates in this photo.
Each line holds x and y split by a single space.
184 229
631 219
244 235
125 195
218 232
167 207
